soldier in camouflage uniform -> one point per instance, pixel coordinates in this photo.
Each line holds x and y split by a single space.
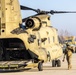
68 53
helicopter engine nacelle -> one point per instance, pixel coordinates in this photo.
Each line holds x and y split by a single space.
34 23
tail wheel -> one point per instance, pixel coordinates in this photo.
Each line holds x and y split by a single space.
40 66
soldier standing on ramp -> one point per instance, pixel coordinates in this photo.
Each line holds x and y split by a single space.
68 53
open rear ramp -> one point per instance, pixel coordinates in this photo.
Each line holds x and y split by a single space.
13 65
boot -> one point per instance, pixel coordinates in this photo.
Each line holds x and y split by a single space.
69 67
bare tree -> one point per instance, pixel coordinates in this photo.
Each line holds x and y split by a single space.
63 34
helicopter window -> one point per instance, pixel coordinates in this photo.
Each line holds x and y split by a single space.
39 42
53 39
48 18
48 39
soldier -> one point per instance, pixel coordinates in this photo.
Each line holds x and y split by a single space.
68 53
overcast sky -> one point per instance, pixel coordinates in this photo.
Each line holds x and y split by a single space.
59 21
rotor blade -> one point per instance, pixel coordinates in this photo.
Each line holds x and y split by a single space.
58 12
44 12
27 8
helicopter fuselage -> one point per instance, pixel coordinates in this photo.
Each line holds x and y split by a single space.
37 40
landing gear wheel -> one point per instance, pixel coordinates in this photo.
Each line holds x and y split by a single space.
40 66
53 63
58 63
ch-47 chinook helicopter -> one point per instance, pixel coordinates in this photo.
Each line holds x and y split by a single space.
29 45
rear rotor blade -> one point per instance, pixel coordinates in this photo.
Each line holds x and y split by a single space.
27 8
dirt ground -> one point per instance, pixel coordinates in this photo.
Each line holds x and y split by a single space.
48 70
